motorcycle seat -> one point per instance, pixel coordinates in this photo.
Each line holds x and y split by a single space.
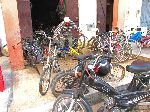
138 66
83 57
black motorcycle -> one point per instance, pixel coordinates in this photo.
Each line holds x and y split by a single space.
67 80
124 101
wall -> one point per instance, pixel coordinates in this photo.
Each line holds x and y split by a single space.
101 15
88 17
145 14
129 14
121 13
24 15
2 29
72 10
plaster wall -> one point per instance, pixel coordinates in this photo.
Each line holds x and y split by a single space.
129 13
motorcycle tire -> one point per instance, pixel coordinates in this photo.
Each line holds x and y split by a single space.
61 81
66 99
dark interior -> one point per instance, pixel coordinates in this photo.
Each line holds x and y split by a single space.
109 15
44 14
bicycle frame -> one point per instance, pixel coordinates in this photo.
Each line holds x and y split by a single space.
51 56
69 50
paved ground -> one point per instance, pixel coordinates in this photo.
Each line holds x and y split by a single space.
26 92
26 97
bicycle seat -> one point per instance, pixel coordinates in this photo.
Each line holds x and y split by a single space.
138 66
87 56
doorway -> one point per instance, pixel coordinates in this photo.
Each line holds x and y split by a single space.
46 13
109 15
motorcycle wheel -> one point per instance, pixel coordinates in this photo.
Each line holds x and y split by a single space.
66 103
61 81
44 81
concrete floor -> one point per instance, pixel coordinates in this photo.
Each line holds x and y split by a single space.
26 91
26 95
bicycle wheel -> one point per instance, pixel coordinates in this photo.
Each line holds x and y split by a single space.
117 73
135 49
66 103
126 51
118 56
44 81
61 81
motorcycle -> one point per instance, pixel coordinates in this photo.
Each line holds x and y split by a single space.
67 80
117 101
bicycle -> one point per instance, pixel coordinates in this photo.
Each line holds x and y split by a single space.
52 64
67 42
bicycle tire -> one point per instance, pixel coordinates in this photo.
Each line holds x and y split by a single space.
126 50
62 76
135 49
42 76
56 66
82 102
117 73
118 57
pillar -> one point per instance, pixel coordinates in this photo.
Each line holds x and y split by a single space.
17 26
115 14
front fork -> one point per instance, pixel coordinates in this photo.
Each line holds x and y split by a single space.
71 105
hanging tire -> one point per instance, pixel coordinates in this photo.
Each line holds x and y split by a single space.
5 50
64 101
61 81
44 81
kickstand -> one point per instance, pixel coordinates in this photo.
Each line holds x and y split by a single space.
37 69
